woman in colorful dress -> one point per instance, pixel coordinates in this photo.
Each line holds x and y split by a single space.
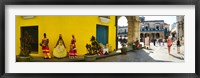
45 47
137 43
169 44
72 52
60 48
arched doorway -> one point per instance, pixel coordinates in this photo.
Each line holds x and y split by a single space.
122 24
157 35
146 34
133 25
152 36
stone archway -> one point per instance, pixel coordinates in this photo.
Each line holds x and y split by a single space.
133 29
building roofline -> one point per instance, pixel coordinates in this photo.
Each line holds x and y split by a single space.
153 21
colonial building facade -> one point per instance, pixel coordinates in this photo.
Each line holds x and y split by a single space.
122 31
155 29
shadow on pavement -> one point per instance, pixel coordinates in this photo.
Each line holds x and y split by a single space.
131 56
149 58
177 57
181 54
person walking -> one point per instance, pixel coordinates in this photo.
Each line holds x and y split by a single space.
169 44
157 41
163 40
178 46
154 42
147 42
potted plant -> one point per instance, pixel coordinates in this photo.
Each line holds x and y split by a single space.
123 42
93 50
25 48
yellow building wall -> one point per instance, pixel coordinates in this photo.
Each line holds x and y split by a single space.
83 27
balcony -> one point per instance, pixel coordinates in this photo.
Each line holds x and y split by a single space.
152 30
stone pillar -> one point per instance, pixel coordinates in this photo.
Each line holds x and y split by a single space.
130 30
162 35
133 30
180 20
136 31
150 36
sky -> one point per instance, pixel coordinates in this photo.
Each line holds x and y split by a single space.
122 21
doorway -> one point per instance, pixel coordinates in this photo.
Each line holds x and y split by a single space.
102 34
33 32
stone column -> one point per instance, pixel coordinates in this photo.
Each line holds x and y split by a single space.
162 35
180 20
130 31
136 25
133 30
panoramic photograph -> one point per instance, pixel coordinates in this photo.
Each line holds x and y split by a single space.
99 38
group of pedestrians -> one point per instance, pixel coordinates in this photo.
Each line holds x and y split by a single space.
161 42
158 42
123 41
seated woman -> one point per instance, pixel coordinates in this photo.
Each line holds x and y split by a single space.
60 49
137 43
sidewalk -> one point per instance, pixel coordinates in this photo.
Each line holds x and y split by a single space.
67 59
161 53
154 54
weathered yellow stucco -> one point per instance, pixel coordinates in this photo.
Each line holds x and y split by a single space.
83 27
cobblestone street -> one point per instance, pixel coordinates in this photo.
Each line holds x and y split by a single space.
154 54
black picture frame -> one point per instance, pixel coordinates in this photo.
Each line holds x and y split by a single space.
99 2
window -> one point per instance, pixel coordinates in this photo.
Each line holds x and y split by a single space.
120 31
157 27
146 28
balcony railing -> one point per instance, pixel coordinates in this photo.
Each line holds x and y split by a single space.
152 30
123 33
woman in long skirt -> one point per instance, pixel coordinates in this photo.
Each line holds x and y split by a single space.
60 48
72 52
45 47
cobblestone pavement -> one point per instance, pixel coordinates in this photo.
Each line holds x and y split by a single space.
154 54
